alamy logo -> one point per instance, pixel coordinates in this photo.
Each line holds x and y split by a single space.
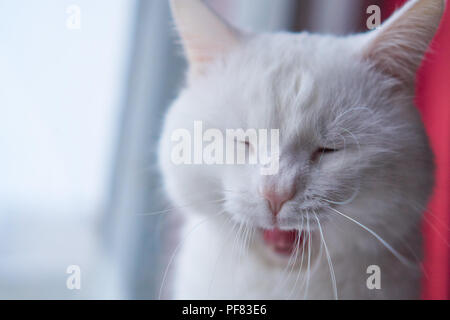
235 147
74 280
374 20
374 280
73 21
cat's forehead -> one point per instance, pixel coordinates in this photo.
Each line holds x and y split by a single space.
294 83
283 65
292 79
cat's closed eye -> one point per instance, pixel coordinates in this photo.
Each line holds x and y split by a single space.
321 151
247 143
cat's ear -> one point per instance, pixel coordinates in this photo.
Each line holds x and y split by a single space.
398 46
204 34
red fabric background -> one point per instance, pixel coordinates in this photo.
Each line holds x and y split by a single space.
433 101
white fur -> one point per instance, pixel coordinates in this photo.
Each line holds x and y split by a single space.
319 91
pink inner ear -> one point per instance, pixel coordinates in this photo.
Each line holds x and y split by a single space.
400 44
205 35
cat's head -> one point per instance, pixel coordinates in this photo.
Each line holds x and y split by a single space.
350 137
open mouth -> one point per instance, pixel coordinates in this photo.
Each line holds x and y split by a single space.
283 242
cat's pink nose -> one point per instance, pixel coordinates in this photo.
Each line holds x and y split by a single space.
277 199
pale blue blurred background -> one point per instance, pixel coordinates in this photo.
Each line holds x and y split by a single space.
80 112
61 94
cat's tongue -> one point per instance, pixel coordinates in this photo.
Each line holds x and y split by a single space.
282 241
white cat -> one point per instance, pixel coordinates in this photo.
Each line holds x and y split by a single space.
341 218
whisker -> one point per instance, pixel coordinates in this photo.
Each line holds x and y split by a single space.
178 207
243 231
249 240
178 248
301 264
230 233
430 213
330 263
423 209
436 230
381 240
237 251
358 186
309 257
296 253
285 274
